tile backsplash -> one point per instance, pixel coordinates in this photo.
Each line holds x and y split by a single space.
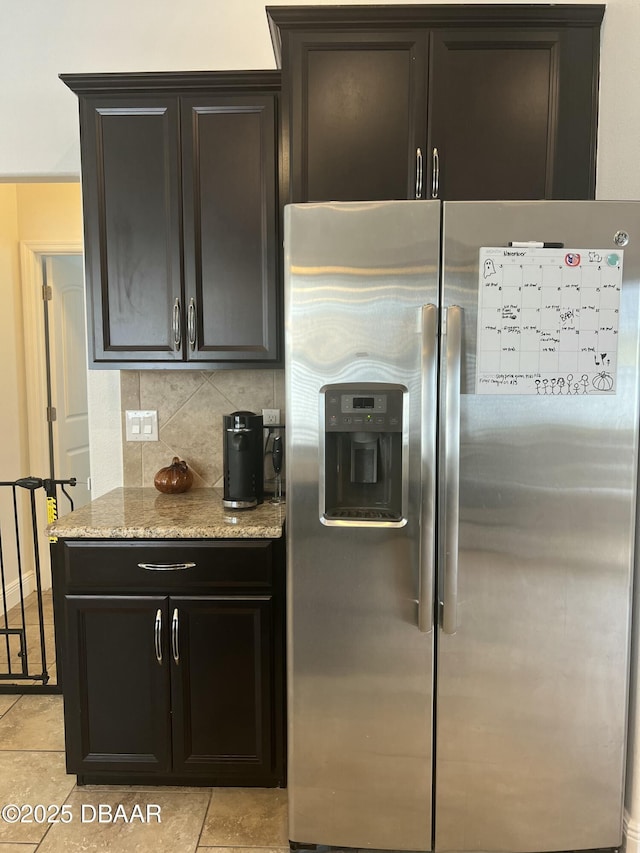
190 406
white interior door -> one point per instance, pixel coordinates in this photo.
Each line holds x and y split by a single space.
68 370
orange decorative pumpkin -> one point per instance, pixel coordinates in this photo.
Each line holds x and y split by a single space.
173 479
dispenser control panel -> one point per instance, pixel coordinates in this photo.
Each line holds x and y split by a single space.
363 410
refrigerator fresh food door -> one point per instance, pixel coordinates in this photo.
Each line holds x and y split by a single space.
361 355
537 539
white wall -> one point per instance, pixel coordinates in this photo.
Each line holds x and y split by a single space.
14 444
47 37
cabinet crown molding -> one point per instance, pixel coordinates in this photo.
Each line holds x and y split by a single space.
176 82
284 18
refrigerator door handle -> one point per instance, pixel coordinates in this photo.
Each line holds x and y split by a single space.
429 377
450 482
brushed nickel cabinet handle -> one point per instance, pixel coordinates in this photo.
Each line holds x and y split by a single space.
175 627
418 172
435 174
166 567
157 637
191 324
175 325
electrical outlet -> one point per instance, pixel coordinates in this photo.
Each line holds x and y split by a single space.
270 417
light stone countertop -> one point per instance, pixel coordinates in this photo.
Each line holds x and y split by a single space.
145 513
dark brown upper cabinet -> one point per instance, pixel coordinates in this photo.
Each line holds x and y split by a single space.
357 105
450 102
179 179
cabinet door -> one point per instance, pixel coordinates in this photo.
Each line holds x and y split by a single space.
222 687
131 199
230 224
355 116
117 684
511 114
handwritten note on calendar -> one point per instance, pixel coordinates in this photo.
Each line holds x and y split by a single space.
548 321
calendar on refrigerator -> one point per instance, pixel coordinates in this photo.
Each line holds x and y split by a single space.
548 321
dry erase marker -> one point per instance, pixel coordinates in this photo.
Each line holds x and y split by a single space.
535 244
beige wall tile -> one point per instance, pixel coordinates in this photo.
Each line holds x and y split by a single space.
168 390
190 406
280 401
130 389
131 461
248 390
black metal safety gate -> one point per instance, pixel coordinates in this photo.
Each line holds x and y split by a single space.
24 675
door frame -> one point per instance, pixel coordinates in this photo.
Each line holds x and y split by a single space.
31 255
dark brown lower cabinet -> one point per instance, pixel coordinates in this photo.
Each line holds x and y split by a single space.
220 685
170 688
117 694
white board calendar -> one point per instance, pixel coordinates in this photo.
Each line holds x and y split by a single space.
548 321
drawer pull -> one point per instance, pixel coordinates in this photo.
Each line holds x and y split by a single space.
158 636
174 636
166 567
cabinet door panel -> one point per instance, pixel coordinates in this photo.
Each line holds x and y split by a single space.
493 113
222 685
116 691
230 211
131 189
357 115
512 113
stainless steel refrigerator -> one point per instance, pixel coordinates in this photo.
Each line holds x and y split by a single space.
462 441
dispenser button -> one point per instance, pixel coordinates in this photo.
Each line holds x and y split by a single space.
357 420
346 420
379 420
333 420
394 421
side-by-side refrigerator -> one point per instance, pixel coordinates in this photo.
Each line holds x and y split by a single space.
462 436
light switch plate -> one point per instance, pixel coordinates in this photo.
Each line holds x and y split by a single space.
141 425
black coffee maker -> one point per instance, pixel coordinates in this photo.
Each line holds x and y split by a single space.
243 460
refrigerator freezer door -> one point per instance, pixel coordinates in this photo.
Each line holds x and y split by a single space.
532 686
360 669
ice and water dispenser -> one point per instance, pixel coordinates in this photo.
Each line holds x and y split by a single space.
362 481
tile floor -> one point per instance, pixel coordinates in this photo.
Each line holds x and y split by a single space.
32 632
32 772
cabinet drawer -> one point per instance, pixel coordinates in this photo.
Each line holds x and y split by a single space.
94 566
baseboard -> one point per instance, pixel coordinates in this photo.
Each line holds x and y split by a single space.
631 834
13 590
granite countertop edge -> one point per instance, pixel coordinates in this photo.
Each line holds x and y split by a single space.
144 513
68 532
